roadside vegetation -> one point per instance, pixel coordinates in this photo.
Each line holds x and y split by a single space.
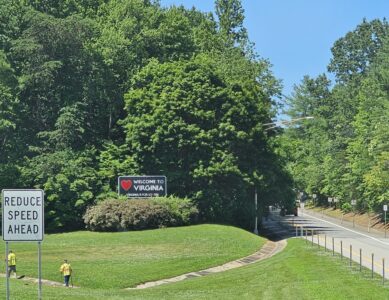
90 90
137 214
343 152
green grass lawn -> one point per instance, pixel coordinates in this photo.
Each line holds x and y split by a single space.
299 272
119 260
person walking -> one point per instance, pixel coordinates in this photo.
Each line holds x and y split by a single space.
11 263
66 271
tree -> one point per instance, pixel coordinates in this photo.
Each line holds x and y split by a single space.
343 152
70 182
66 72
368 151
65 8
196 97
185 120
353 53
10 111
231 16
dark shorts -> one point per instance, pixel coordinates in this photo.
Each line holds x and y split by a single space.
12 269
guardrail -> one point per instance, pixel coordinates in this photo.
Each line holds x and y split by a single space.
314 237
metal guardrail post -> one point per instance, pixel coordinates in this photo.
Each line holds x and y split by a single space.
341 249
312 237
351 254
383 271
318 241
333 246
360 259
325 243
372 265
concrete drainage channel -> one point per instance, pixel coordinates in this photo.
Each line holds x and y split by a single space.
267 251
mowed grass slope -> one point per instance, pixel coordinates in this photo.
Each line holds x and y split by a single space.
299 272
120 260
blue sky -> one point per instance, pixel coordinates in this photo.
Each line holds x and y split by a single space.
297 35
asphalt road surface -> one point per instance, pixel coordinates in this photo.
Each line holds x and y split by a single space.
336 236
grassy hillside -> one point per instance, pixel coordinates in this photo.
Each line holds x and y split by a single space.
299 272
119 260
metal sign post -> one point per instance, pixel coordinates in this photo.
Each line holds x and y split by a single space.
23 220
385 210
353 203
335 200
256 212
39 271
6 270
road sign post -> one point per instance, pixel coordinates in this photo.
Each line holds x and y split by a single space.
23 220
385 210
335 200
6 271
314 196
353 203
256 212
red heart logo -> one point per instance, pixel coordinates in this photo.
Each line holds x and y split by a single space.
126 184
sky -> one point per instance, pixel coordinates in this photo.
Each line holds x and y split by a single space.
296 36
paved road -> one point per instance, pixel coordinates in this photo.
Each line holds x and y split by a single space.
331 233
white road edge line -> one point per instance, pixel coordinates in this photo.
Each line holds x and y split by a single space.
365 235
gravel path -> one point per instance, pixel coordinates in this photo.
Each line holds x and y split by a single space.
44 281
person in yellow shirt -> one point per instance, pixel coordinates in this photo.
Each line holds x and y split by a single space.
11 263
66 271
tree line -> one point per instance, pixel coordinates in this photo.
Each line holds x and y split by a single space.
344 151
94 89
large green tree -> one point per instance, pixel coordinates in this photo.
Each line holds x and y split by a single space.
188 121
353 53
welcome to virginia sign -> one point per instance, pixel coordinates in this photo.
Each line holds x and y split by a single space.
142 186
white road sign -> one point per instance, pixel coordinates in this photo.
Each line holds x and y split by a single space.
385 207
23 215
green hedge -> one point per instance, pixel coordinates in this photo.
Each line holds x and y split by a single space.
138 214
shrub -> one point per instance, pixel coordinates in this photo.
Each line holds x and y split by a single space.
118 215
346 207
183 211
105 216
